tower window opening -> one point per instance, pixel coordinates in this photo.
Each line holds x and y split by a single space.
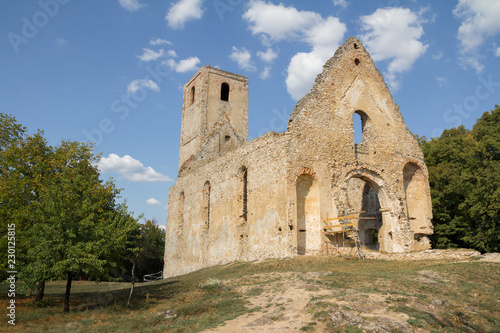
224 92
192 95
356 61
355 45
227 138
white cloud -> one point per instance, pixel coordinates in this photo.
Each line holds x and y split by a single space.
480 18
141 83
131 5
441 81
159 41
184 65
130 169
267 56
153 202
265 73
277 22
162 226
273 23
149 54
243 58
303 69
183 11
393 34
341 3
172 53
437 56
497 52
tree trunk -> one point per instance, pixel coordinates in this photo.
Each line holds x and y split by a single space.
133 282
40 291
69 277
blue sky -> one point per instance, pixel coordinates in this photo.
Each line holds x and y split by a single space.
112 71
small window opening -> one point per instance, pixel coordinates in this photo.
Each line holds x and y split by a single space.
356 61
279 229
227 138
224 92
355 45
206 199
358 128
291 227
192 95
245 193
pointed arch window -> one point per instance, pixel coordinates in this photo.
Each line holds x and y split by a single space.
206 203
192 94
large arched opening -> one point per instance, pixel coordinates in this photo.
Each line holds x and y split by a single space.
369 198
418 205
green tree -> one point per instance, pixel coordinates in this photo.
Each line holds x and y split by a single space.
146 251
67 220
464 175
152 245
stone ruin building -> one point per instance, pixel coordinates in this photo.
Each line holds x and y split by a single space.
240 200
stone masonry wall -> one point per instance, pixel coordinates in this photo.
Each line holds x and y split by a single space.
269 197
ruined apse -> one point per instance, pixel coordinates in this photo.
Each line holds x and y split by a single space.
236 199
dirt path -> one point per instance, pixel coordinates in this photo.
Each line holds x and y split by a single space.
281 303
289 302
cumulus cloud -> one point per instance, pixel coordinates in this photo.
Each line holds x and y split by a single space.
159 41
130 169
131 5
243 58
149 55
183 11
141 83
393 34
172 54
277 22
265 73
274 23
153 202
267 56
341 3
184 65
480 18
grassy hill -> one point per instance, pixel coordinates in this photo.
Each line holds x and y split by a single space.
323 294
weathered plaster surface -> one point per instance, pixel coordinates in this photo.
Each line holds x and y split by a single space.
240 200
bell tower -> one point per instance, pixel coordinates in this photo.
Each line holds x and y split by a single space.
214 116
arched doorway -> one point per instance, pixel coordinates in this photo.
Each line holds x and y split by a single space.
308 213
418 204
366 194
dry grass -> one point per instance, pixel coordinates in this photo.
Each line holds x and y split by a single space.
439 296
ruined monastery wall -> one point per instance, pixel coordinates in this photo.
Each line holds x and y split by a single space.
239 200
